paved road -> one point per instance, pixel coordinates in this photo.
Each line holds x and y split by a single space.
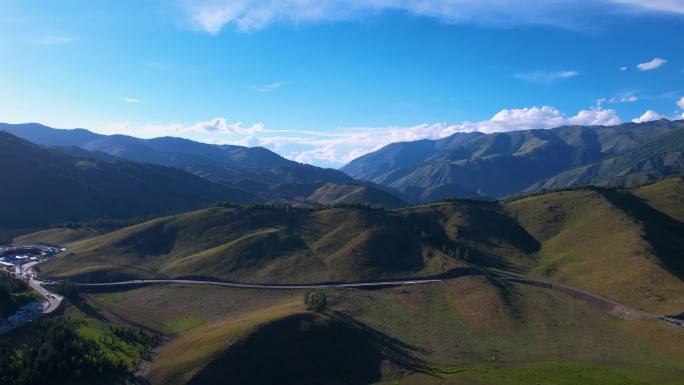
34 310
267 286
51 301
613 307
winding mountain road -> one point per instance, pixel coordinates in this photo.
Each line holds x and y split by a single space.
268 286
612 307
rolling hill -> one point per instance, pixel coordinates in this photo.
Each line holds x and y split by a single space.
503 164
624 244
468 331
608 241
43 187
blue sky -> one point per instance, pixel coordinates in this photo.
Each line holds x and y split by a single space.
324 81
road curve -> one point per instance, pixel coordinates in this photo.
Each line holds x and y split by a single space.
612 307
267 286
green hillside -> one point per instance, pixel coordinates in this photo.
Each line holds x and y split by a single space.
655 160
289 245
608 241
466 331
337 194
33 177
475 329
257 245
666 196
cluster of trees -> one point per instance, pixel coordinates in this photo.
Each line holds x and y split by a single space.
261 206
299 209
56 353
104 223
315 301
112 333
9 289
67 288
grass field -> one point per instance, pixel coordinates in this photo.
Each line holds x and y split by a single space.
466 331
57 236
623 244
596 240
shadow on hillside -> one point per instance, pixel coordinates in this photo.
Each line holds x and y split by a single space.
663 232
307 349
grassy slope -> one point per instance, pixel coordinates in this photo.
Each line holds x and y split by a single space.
616 243
666 196
332 194
257 245
92 325
496 333
57 236
590 240
200 321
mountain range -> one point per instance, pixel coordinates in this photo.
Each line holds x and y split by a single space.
49 185
195 174
44 186
224 163
502 164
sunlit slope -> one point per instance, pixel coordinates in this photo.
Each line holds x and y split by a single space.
333 194
613 242
270 245
666 196
479 233
58 236
609 242
451 332
257 245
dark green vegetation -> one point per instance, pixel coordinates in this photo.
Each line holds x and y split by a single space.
44 187
315 301
57 354
502 164
75 345
14 293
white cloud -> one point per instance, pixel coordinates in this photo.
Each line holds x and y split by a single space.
346 145
595 117
618 99
132 100
220 125
337 147
546 77
250 15
623 68
213 126
651 65
672 6
270 87
680 103
54 40
647 117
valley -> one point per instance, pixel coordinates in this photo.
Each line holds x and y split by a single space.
341 192
494 291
